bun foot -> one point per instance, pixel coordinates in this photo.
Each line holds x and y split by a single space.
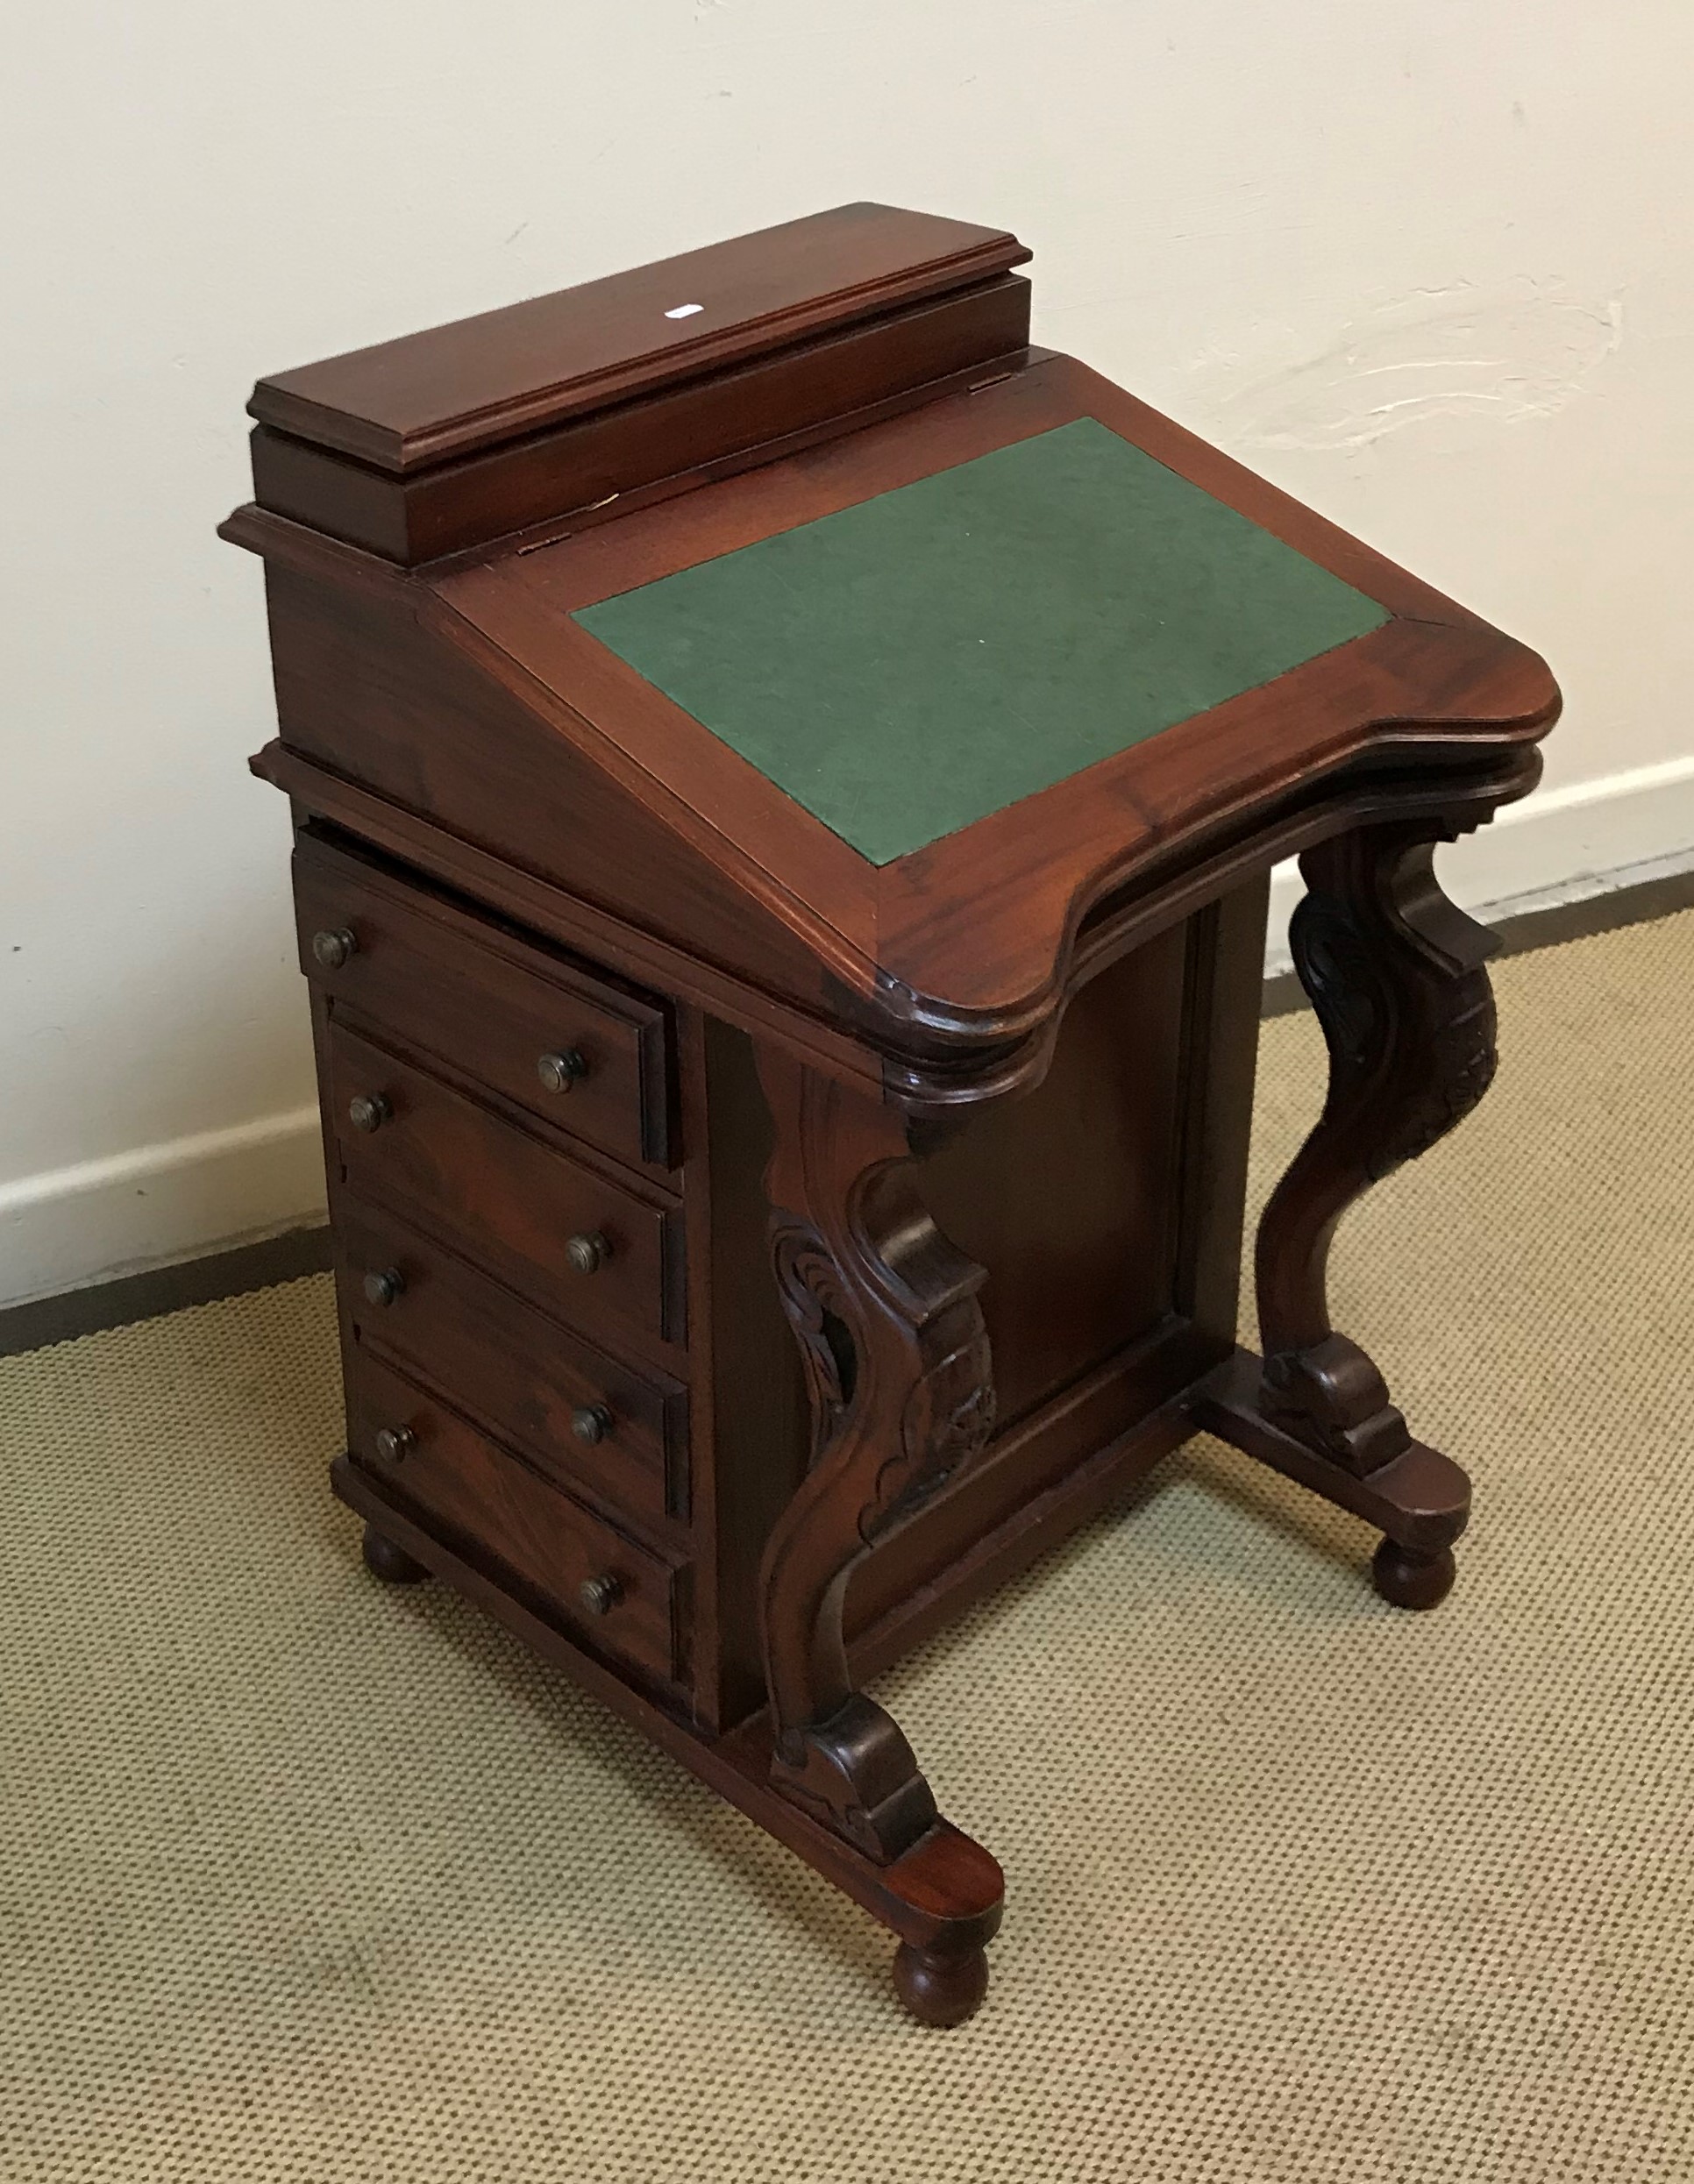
940 1989
1410 1580
391 1563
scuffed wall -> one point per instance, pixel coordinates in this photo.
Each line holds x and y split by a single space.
1506 355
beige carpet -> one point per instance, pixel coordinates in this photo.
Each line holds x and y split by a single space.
307 1880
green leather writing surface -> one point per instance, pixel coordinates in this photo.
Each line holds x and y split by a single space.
906 666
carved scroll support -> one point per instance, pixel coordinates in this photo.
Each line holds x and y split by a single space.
1394 972
897 1361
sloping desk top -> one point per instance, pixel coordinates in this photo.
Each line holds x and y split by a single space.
948 695
1366 667
918 661
851 695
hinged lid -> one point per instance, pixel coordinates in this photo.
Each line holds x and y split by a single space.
461 388
929 688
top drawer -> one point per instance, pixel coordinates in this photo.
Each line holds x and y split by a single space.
589 1057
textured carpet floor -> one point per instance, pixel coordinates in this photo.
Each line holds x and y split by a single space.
304 1879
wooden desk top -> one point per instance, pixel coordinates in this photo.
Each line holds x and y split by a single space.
466 388
949 697
1333 665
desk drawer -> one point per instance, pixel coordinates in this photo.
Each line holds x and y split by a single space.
577 1415
583 1054
621 1598
564 1235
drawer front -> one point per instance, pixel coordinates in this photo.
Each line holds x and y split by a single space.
581 1053
619 1597
577 1415
566 1237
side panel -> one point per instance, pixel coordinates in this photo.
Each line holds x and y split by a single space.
1107 1207
1072 1198
1068 1194
762 1429
1225 991
363 688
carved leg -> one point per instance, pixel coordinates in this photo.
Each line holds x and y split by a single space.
1395 973
897 1361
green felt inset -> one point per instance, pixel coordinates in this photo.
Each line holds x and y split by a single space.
906 666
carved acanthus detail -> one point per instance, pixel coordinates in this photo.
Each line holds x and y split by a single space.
1370 992
898 1367
810 1291
949 1415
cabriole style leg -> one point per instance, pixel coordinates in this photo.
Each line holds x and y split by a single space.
1394 972
897 1363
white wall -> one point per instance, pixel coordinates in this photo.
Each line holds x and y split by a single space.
1425 262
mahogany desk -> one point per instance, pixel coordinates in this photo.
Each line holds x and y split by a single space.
785 777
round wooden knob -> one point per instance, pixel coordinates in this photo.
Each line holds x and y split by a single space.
600 1595
394 1441
384 1286
368 1111
333 947
587 1253
559 1071
591 1422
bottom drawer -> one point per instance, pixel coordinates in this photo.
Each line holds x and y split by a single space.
622 1598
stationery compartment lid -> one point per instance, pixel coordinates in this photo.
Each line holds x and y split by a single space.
428 398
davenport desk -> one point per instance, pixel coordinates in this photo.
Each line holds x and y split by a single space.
785 777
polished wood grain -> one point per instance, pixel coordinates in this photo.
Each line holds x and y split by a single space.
1105 1207
1395 973
1068 1195
1434 688
945 1895
618 1436
1417 1498
719 836
503 374
922 1184
442 859
490 1003
521 1523
900 1380
760 1411
1079 1388
456 1167
392 700
650 446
